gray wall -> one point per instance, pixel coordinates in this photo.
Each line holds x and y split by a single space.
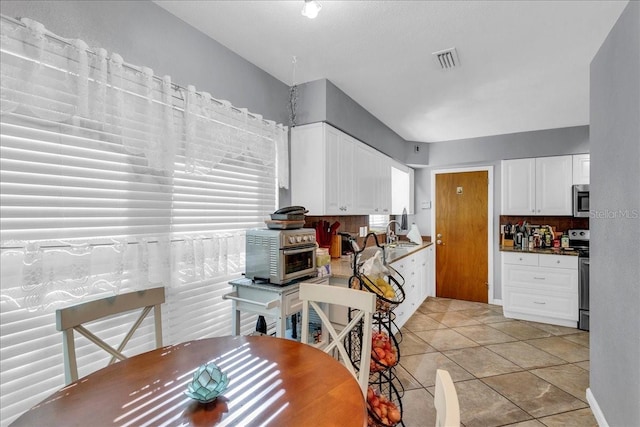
614 225
322 101
489 151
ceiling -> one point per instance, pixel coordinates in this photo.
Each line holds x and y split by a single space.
524 65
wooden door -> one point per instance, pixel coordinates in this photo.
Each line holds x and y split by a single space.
461 235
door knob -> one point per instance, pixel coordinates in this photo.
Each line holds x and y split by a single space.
439 235
439 242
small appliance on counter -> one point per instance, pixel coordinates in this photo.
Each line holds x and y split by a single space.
280 256
288 218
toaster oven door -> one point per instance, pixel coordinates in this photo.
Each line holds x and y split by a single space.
297 262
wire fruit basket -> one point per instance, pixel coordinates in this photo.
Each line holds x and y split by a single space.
383 403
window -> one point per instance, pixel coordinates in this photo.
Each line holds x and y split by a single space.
115 180
378 222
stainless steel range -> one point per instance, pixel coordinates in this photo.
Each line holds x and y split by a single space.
579 240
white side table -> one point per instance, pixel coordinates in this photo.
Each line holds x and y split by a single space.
274 301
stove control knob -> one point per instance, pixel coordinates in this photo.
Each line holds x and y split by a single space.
292 239
298 239
305 238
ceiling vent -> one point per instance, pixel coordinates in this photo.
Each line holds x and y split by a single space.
447 59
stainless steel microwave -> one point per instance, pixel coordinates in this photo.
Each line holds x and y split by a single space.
280 256
581 200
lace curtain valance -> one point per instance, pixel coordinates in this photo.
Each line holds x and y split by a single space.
61 80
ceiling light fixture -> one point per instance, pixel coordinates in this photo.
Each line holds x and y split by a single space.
311 8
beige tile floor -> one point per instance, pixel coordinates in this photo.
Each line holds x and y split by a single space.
506 372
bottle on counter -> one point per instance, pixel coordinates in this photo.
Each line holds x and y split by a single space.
564 241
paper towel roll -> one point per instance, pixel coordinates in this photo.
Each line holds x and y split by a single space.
414 234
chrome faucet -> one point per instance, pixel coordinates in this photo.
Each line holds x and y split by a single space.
391 235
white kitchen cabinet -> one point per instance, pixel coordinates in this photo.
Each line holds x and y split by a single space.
383 185
417 271
540 288
366 180
402 188
427 272
581 168
373 181
537 186
333 173
322 170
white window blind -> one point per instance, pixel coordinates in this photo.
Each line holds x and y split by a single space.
378 222
114 180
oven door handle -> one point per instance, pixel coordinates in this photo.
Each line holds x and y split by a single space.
297 251
585 262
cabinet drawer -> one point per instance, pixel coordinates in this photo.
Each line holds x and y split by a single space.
559 261
292 303
520 258
541 279
561 306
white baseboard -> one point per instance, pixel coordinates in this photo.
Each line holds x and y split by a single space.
496 302
595 408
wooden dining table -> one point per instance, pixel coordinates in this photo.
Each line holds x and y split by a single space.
272 381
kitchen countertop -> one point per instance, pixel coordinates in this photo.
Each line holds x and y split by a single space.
342 268
546 251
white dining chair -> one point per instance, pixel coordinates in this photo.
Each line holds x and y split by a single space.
446 401
363 305
72 318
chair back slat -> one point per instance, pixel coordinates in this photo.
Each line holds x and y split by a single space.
72 318
446 401
93 310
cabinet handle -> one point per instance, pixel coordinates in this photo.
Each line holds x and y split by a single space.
520 259
538 302
539 278
558 262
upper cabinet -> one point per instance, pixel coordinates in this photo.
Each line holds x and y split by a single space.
322 176
540 186
401 189
335 174
581 165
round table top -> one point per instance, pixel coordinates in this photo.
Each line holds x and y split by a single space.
275 381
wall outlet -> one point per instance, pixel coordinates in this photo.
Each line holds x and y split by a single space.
426 204
363 231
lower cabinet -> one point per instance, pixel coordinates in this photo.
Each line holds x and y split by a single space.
540 288
417 270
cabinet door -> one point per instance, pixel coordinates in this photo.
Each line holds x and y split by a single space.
581 168
333 204
518 186
339 166
383 189
423 272
365 180
431 272
553 185
308 168
346 175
